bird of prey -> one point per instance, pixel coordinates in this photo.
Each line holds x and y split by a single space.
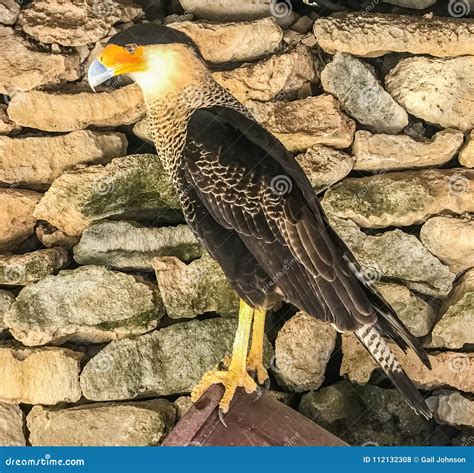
252 207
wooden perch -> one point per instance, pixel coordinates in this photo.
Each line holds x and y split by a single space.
251 421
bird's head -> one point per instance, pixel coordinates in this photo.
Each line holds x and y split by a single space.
157 58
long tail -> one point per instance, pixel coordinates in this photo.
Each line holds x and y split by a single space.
376 345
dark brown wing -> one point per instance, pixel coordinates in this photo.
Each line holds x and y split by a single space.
271 206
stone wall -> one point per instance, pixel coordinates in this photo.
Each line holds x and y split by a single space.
101 280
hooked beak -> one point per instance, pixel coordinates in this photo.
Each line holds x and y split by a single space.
98 74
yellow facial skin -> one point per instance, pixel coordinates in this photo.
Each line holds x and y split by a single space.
124 59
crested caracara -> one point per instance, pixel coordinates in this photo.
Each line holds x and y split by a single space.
252 207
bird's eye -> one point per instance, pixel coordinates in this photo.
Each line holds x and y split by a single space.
130 48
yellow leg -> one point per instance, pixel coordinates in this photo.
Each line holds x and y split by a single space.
236 374
255 358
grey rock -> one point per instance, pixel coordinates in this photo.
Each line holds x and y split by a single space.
103 424
302 351
129 245
417 315
11 425
6 300
9 10
397 256
167 361
20 270
196 288
361 95
325 166
387 418
451 407
88 304
47 375
401 198
127 185
417 4
455 327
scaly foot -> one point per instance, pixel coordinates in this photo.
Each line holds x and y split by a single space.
255 365
231 380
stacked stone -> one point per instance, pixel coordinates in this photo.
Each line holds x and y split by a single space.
100 278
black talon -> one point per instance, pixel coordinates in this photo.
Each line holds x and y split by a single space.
220 414
262 389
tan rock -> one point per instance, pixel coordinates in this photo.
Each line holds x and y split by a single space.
22 67
280 76
232 42
372 35
417 315
182 405
6 125
451 407
466 156
16 216
39 376
9 10
52 112
451 240
194 289
36 161
386 152
446 99
227 10
325 166
302 351
6 300
455 328
448 368
50 236
74 22
401 198
11 424
126 424
307 122
20 270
